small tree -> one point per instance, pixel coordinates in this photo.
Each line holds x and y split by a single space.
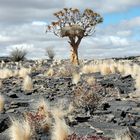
75 25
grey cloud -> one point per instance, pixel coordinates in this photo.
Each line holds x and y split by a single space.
21 11
19 27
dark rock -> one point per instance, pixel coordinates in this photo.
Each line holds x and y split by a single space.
82 118
4 122
101 112
105 106
12 95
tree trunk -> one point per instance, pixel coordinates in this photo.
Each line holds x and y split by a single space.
74 55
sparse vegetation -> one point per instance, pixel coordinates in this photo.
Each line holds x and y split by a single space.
18 54
75 25
20 130
50 53
2 101
27 84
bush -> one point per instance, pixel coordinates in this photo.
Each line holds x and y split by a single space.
18 54
50 53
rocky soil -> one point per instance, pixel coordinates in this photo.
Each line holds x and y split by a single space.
116 108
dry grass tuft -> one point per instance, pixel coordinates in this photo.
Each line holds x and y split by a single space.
137 82
136 70
49 73
123 136
121 68
5 73
27 84
90 69
42 103
20 130
75 78
113 68
128 70
90 80
23 72
2 100
1 84
105 69
39 118
60 130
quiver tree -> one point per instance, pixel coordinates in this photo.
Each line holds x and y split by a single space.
75 25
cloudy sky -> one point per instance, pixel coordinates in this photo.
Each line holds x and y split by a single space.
23 24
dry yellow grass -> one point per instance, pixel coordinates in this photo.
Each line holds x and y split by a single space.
90 68
2 100
120 68
105 69
27 84
60 130
49 73
15 73
124 136
42 103
43 109
136 70
91 80
5 73
113 68
1 84
20 130
128 70
137 82
75 78
59 112
23 72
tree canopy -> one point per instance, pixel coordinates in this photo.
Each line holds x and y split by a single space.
75 25
71 22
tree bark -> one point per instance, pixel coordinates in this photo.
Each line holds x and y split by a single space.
74 55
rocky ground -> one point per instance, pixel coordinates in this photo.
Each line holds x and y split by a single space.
114 109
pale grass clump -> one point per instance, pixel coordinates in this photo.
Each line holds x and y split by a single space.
27 83
87 69
90 68
1 84
137 82
60 130
113 68
5 73
123 136
136 70
105 69
20 130
43 104
128 70
44 110
62 71
2 101
58 113
15 73
75 78
91 80
23 72
120 67
49 73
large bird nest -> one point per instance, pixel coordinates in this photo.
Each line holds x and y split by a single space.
72 31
